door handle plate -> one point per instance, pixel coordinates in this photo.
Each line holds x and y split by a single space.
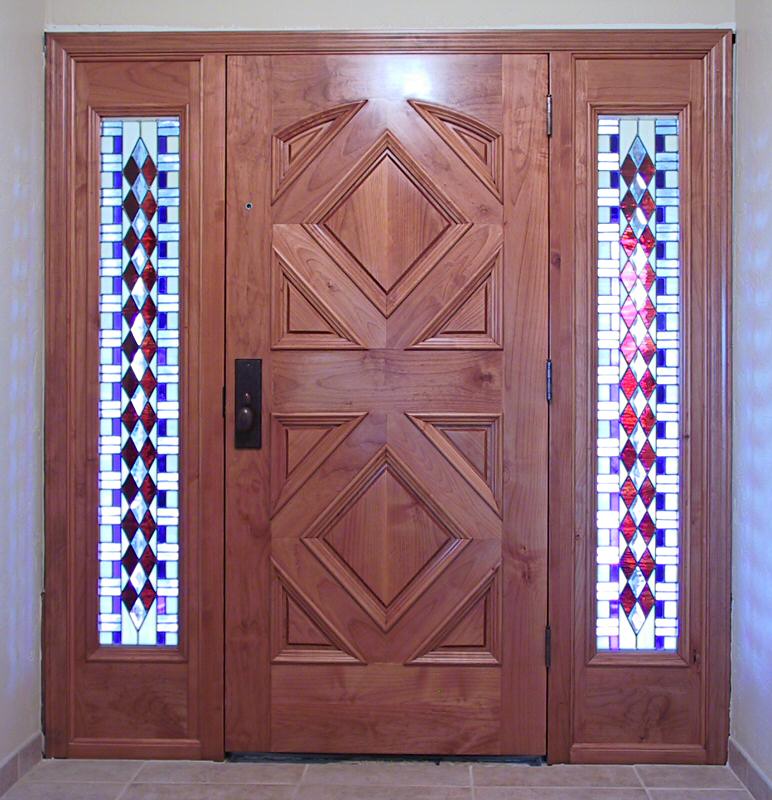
248 428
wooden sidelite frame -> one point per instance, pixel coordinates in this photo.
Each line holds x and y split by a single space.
170 702
129 701
624 707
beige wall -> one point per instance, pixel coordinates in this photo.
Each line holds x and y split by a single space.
21 355
346 14
752 567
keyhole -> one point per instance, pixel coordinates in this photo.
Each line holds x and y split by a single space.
248 206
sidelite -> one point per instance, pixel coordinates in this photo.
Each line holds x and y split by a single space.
139 404
638 388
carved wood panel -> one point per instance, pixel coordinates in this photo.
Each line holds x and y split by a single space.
388 350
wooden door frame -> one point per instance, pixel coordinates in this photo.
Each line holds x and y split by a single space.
568 499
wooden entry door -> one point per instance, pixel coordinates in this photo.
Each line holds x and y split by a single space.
387 261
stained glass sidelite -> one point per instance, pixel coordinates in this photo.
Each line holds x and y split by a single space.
139 407
639 404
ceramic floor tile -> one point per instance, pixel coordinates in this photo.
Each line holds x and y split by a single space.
557 793
332 792
45 790
206 791
699 794
577 775
66 770
384 773
210 772
671 776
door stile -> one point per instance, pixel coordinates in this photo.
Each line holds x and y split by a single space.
248 300
524 536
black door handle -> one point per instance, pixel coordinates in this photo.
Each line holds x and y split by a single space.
245 419
249 402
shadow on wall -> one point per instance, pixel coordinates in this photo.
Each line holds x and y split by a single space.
21 385
752 567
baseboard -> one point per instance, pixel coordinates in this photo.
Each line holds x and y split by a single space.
749 772
20 762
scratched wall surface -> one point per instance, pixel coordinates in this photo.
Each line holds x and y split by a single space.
752 566
21 355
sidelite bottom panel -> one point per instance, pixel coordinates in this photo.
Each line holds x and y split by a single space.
638 358
139 403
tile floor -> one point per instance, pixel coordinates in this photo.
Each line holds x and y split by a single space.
372 780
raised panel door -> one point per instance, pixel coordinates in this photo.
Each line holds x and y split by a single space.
387 260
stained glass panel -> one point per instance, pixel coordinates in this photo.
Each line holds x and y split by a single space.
139 405
638 381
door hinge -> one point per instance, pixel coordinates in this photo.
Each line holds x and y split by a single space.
548 646
549 115
548 377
